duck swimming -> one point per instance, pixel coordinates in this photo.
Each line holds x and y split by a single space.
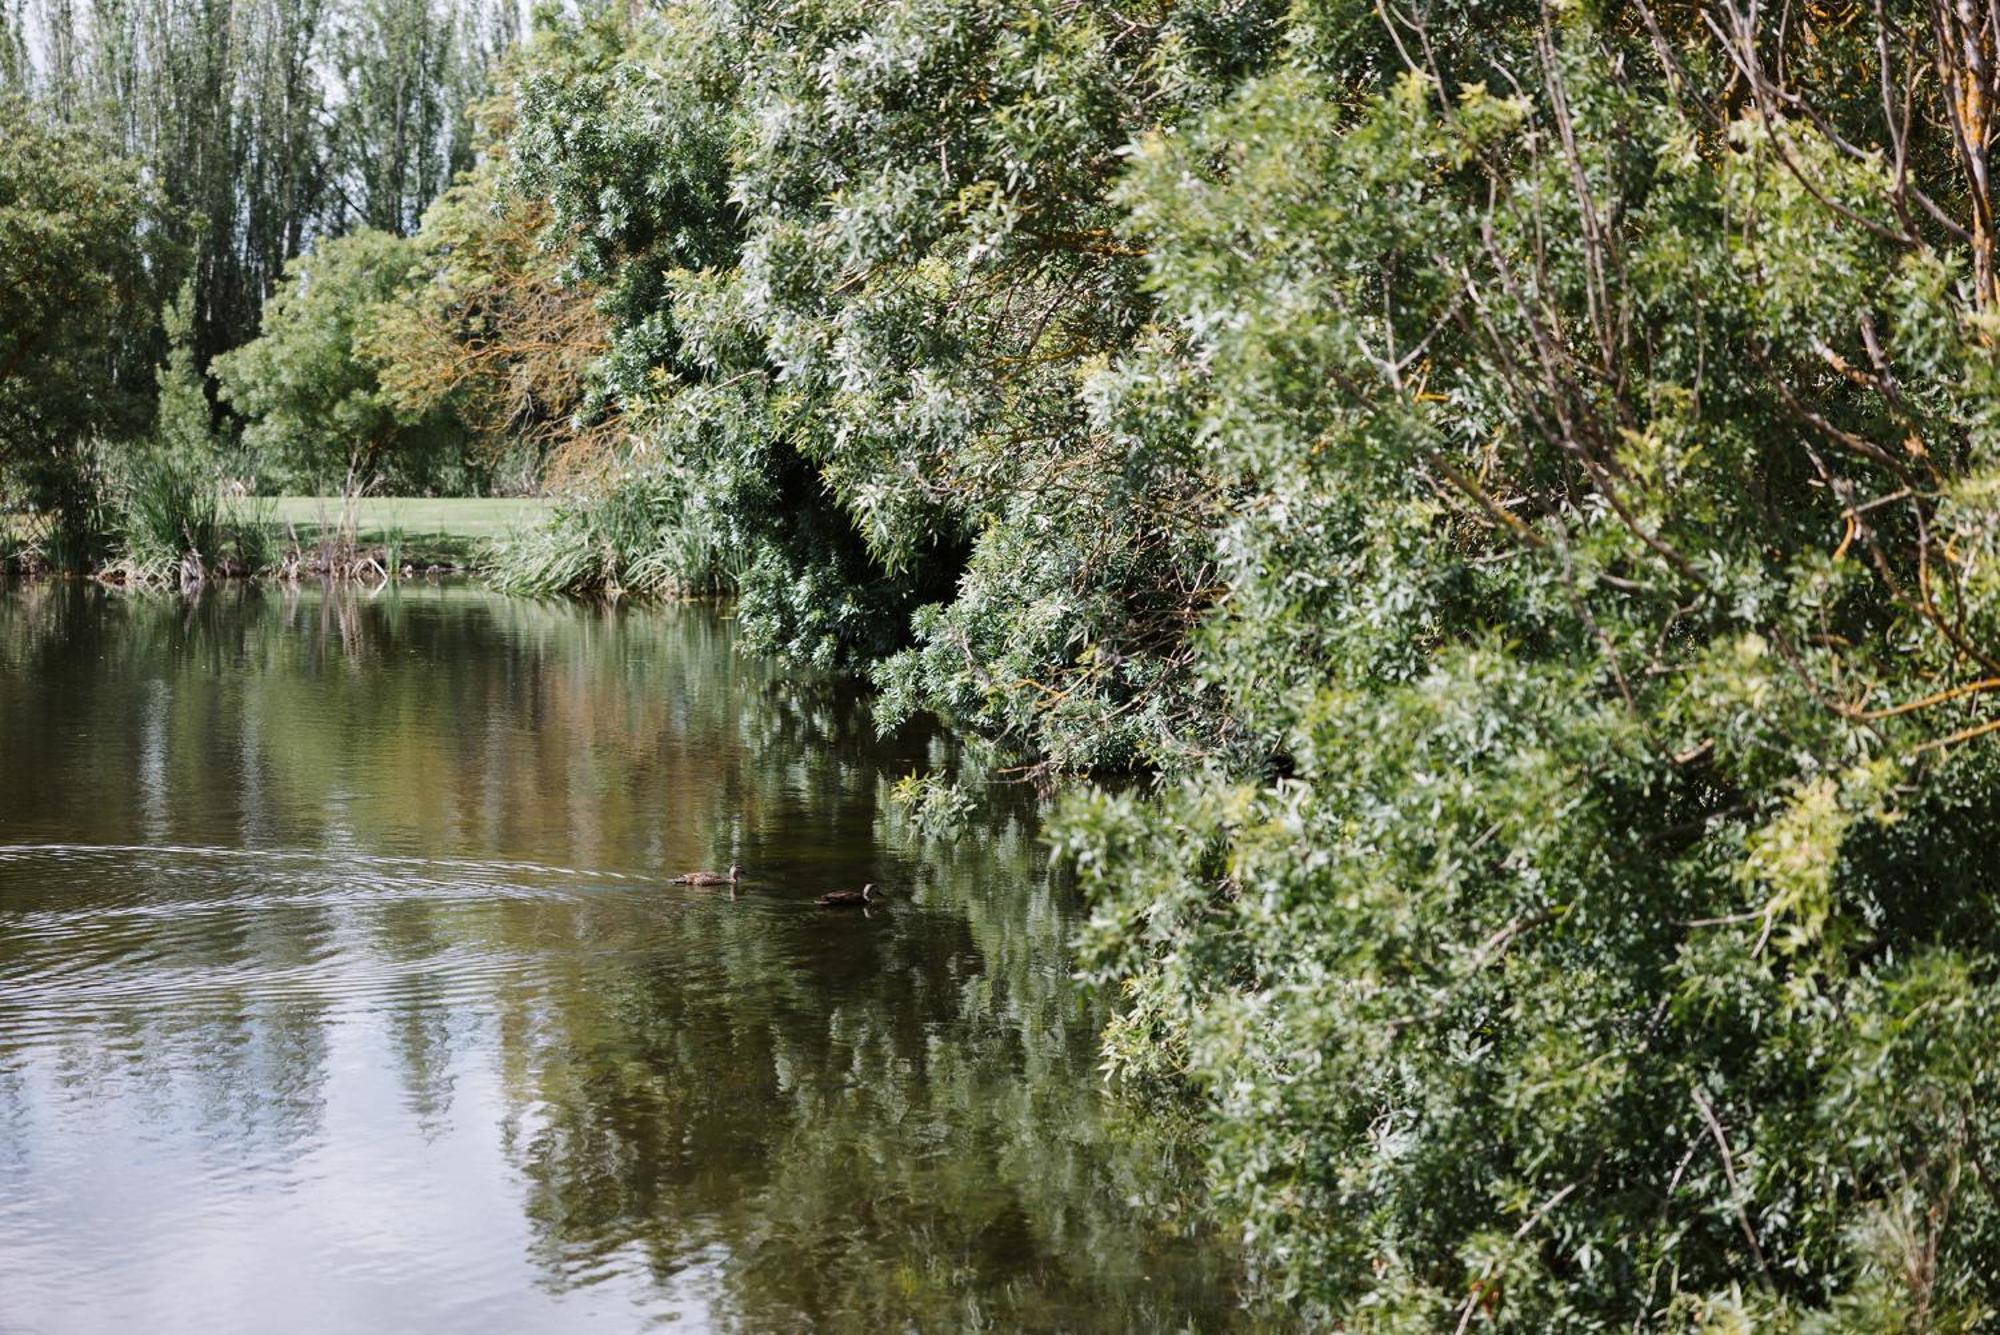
710 877
850 899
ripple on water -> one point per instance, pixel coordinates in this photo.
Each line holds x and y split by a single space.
166 935
201 1046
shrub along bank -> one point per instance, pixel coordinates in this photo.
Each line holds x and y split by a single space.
1521 477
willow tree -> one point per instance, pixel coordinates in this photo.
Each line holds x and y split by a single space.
1522 477
1612 939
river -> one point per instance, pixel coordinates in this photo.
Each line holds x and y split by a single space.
341 990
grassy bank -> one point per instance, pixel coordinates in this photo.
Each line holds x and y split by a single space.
421 530
393 531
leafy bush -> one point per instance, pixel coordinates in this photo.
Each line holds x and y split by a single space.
84 268
932 805
1522 479
317 413
1620 884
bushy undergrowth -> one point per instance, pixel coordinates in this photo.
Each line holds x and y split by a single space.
173 525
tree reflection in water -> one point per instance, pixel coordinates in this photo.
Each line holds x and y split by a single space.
357 949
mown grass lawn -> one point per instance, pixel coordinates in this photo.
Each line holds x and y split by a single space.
376 516
425 528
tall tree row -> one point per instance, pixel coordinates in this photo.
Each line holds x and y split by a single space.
262 123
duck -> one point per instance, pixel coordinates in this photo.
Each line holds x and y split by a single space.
849 899
710 877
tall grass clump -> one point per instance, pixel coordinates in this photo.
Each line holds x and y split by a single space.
635 536
395 545
171 517
249 526
174 526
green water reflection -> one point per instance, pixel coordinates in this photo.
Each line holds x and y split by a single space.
339 990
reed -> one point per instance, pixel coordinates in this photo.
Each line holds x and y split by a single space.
170 521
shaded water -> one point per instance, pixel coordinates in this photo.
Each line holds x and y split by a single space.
340 990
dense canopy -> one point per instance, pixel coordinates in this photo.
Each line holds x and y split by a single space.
83 270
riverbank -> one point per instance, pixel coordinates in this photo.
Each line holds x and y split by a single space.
293 536
460 520
397 534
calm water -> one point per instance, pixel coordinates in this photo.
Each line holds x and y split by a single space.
340 991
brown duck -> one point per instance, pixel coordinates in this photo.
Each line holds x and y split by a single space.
710 877
849 899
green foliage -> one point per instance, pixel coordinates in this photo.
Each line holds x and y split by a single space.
1558 981
491 332
639 536
250 127
172 524
1522 478
182 420
312 395
263 123
409 70
626 130
83 272
863 276
932 805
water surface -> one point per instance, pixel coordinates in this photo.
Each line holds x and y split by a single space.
340 990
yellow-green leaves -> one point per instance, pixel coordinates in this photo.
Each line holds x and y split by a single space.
1793 858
